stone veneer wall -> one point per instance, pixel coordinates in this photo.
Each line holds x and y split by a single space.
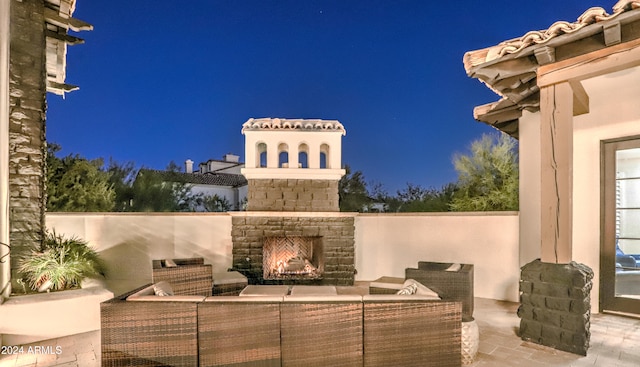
555 305
27 103
338 241
289 195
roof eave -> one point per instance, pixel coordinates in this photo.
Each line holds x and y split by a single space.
513 76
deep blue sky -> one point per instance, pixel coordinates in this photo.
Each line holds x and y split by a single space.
165 81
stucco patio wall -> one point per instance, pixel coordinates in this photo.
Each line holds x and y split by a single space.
129 241
385 244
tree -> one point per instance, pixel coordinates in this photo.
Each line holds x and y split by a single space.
76 184
121 177
215 203
161 191
488 177
352 192
414 198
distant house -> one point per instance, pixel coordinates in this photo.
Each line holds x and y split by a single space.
221 178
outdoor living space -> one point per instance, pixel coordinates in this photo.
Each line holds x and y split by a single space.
542 286
384 245
615 341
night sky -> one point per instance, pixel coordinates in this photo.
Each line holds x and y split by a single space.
165 81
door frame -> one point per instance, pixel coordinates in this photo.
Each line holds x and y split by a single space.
608 300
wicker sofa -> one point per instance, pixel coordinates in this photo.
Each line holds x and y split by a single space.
337 330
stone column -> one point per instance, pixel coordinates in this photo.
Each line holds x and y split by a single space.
555 305
27 103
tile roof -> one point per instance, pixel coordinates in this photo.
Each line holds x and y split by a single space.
510 68
293 124
590 16
210 178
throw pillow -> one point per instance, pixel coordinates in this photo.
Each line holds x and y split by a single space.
168 263
421 289
162 289
407 289
454 267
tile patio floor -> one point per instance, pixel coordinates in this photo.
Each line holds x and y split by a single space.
615 341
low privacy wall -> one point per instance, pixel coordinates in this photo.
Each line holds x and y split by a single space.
129 241
385 244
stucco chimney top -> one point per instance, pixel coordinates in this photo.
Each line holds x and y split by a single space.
188 166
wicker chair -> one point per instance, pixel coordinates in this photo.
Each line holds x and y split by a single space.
189 277
403 332
148 333
450 285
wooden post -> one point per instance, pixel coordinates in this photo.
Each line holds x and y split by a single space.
556 175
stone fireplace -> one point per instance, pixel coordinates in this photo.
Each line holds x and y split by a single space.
331 237
292 231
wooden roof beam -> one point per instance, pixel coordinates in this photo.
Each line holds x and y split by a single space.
74 24
580 98
70 40
60 88
607 60
612 33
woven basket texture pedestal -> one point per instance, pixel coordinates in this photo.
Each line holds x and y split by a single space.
470 341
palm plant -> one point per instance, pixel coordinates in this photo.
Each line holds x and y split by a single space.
60 263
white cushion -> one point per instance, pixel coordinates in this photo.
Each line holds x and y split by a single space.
168 263
313 290
162 289
408 289
453 267
265 290
421 289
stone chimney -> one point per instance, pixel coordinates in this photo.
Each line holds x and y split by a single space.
188 166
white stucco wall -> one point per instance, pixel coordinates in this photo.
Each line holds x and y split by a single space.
128 242
529 161
614 112
385 244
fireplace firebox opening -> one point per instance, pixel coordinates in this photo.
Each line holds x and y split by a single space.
293 257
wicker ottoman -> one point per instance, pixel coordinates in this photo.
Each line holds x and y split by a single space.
386 285
229 283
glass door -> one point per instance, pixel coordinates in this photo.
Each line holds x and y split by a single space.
620 241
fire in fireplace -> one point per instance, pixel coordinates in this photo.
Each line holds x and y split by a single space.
292 258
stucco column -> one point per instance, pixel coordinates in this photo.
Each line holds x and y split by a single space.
5 267
556 172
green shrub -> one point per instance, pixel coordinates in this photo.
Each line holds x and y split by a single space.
61 262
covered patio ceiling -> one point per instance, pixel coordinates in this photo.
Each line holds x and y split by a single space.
510 68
